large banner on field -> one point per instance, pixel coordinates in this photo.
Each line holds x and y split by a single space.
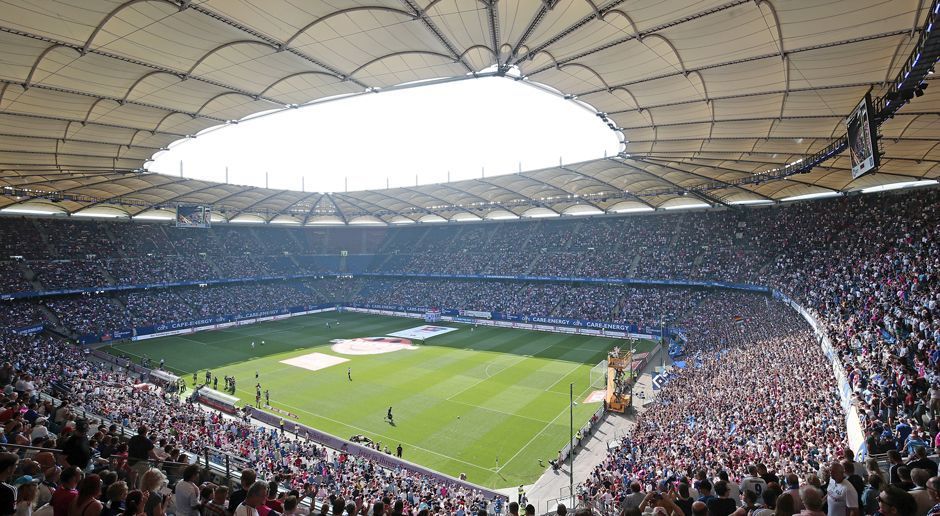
422 332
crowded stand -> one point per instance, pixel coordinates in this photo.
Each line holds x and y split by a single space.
19 314
88 313
152 307
767 395
642 306
68 274
11 277
170 433
98 314
865 267
19 237
152 268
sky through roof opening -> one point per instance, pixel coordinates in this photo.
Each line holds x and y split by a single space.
422 135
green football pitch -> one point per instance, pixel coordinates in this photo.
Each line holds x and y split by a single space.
461 400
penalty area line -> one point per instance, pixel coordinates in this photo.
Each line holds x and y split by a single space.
390 439
534 437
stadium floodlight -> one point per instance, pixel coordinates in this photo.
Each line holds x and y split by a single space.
817 195
688 206
753 201
898 186
632 210
33 211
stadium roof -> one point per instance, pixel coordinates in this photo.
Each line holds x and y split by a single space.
705 94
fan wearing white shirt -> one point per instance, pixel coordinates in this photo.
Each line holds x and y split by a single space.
753 483
187 493
841 496
257 494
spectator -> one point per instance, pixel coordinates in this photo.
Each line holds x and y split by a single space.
254 498
869 503
187 493
248 478
116 496
67 491
841 496
86 502
812 501
7 492
919 492
25 496
894 501
722 505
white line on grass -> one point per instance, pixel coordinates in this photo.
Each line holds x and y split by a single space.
298 409
485 378
499 412
526 445
562 377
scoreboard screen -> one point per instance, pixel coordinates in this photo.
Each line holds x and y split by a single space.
861 134
193 216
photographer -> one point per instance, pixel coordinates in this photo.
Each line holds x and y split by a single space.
661 503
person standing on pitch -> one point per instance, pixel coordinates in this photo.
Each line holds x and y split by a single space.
349 373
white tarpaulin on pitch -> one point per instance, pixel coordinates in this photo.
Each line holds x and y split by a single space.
422 332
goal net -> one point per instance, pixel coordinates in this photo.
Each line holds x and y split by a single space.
599 375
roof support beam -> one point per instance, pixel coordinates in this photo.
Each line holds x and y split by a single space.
399 199
513 192
74 140
790 178
708 199
640 35
202 9
596 13
546 5
492 24
362 210
119 101
428 23
218 202
259 201
426 194
152 66
312 207
464 192
90 123
337 208
59 176
733 62
618 189
653 161
178 197
118 196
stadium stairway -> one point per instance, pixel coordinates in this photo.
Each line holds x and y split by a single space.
166 238
28 274
293 260
41 231
105 273
380 261
51 317
256 238
119 250
424 235
118 304
631 273
298 241
552 486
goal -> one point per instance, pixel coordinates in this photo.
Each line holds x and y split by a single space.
599 375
